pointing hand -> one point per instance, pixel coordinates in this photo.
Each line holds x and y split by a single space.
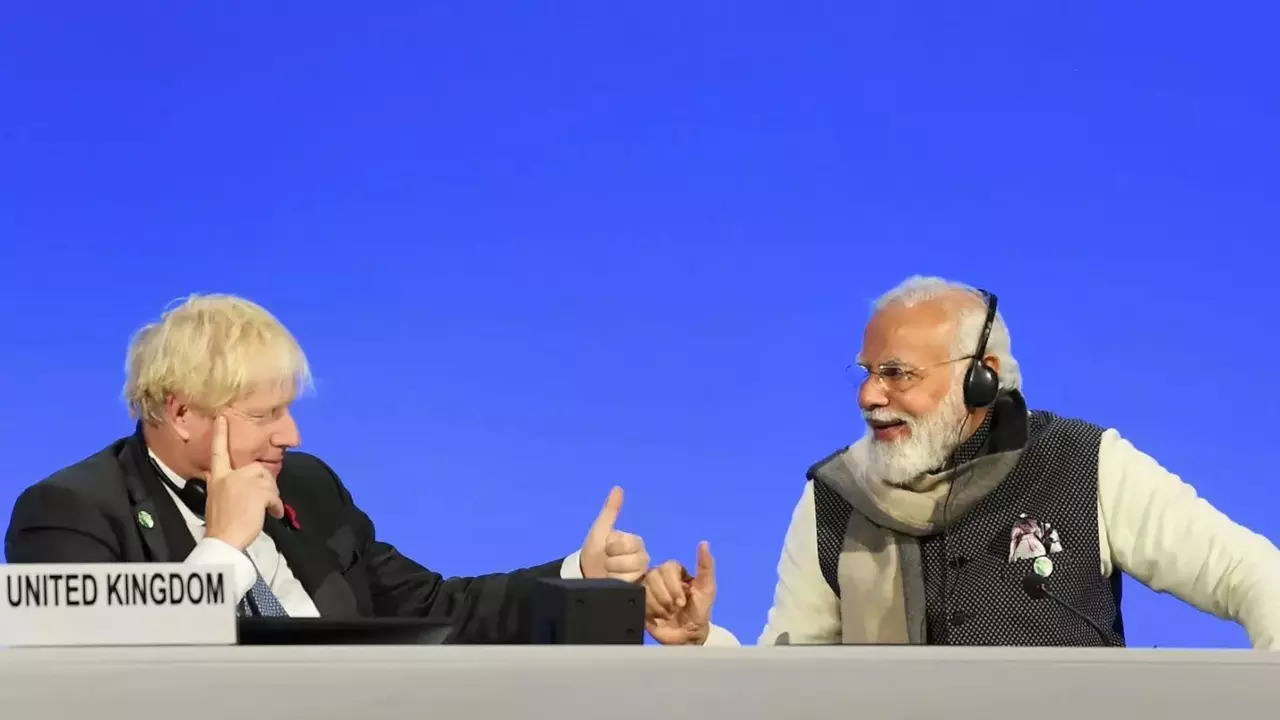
237 497
678 606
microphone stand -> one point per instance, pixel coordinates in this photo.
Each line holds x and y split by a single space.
1034 585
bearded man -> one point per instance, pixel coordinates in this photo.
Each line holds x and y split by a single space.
962 518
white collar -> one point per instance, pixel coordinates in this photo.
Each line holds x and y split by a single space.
177 480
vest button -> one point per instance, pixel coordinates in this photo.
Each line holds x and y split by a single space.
960 617
957 562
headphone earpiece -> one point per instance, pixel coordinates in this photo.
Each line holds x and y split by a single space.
981 382
981 385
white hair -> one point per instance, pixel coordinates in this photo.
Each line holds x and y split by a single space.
918 289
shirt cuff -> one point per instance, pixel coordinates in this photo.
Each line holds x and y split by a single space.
212 551
571 568
720 637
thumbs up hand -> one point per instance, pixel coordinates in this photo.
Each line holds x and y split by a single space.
677 605
610 553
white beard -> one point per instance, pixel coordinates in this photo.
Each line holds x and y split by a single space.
926 448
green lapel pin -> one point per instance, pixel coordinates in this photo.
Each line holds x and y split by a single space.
144 519
1043 566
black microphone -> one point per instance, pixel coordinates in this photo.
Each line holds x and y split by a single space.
1036 588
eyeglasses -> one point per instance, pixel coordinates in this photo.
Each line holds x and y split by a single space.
259 417
895 377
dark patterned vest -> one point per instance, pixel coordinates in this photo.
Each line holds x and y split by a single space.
974 589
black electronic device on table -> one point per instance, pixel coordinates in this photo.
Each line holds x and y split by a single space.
560 612
357 631
587 612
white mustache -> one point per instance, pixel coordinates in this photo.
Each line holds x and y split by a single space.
886 416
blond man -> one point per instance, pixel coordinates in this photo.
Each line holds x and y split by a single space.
210 477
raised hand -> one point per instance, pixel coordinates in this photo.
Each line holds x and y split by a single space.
678 606
237 496
610 553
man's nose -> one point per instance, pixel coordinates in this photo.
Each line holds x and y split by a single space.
871 394
287 436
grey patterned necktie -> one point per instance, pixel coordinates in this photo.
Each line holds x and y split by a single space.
261 598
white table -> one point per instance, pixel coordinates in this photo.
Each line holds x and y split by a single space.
620 683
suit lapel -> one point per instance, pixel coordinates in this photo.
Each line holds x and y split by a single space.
314 564
164 533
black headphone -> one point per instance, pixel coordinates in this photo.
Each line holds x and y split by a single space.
981 383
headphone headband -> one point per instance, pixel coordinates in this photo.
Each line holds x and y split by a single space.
981 384
991 300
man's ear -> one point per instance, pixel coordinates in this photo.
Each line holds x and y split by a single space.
992 362
178 414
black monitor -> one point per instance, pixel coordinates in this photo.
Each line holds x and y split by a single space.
356 631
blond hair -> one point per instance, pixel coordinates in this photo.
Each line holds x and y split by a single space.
210 350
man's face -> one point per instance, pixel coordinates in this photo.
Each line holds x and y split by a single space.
912 399
260 428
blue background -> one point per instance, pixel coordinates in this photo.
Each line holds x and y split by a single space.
534 249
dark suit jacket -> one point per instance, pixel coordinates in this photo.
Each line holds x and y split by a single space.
89 512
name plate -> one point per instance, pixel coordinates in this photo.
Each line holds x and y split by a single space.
94 604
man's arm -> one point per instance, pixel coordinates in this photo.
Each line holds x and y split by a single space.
485 609
1165 536
55 524
805 609
212 551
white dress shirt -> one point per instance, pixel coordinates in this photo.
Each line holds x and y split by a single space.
264 558
1151 525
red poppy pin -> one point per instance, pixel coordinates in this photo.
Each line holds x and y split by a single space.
292 516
